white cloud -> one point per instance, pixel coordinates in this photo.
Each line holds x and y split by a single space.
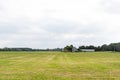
56 23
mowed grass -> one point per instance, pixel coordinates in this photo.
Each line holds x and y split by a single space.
59 66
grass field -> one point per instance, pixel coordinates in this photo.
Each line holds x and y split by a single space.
59 66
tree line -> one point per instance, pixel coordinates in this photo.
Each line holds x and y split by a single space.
29 49
105 47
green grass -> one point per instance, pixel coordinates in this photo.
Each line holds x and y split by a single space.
59 66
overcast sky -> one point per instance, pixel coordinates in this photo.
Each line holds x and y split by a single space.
57 23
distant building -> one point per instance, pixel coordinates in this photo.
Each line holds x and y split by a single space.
88 50
74 49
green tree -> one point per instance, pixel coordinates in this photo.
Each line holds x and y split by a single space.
68 48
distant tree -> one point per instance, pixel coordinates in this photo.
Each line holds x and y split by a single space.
98 48
114 47
68 48
86 47
111 47
82 47
117 47
90 47
104 47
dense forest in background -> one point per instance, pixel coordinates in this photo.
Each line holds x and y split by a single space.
105 47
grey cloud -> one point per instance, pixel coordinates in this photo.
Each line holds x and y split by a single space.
111 6
30 30
8 29
95 28
34 41
26 36
0 8
63 27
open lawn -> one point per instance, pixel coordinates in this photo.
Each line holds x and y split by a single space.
59 66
